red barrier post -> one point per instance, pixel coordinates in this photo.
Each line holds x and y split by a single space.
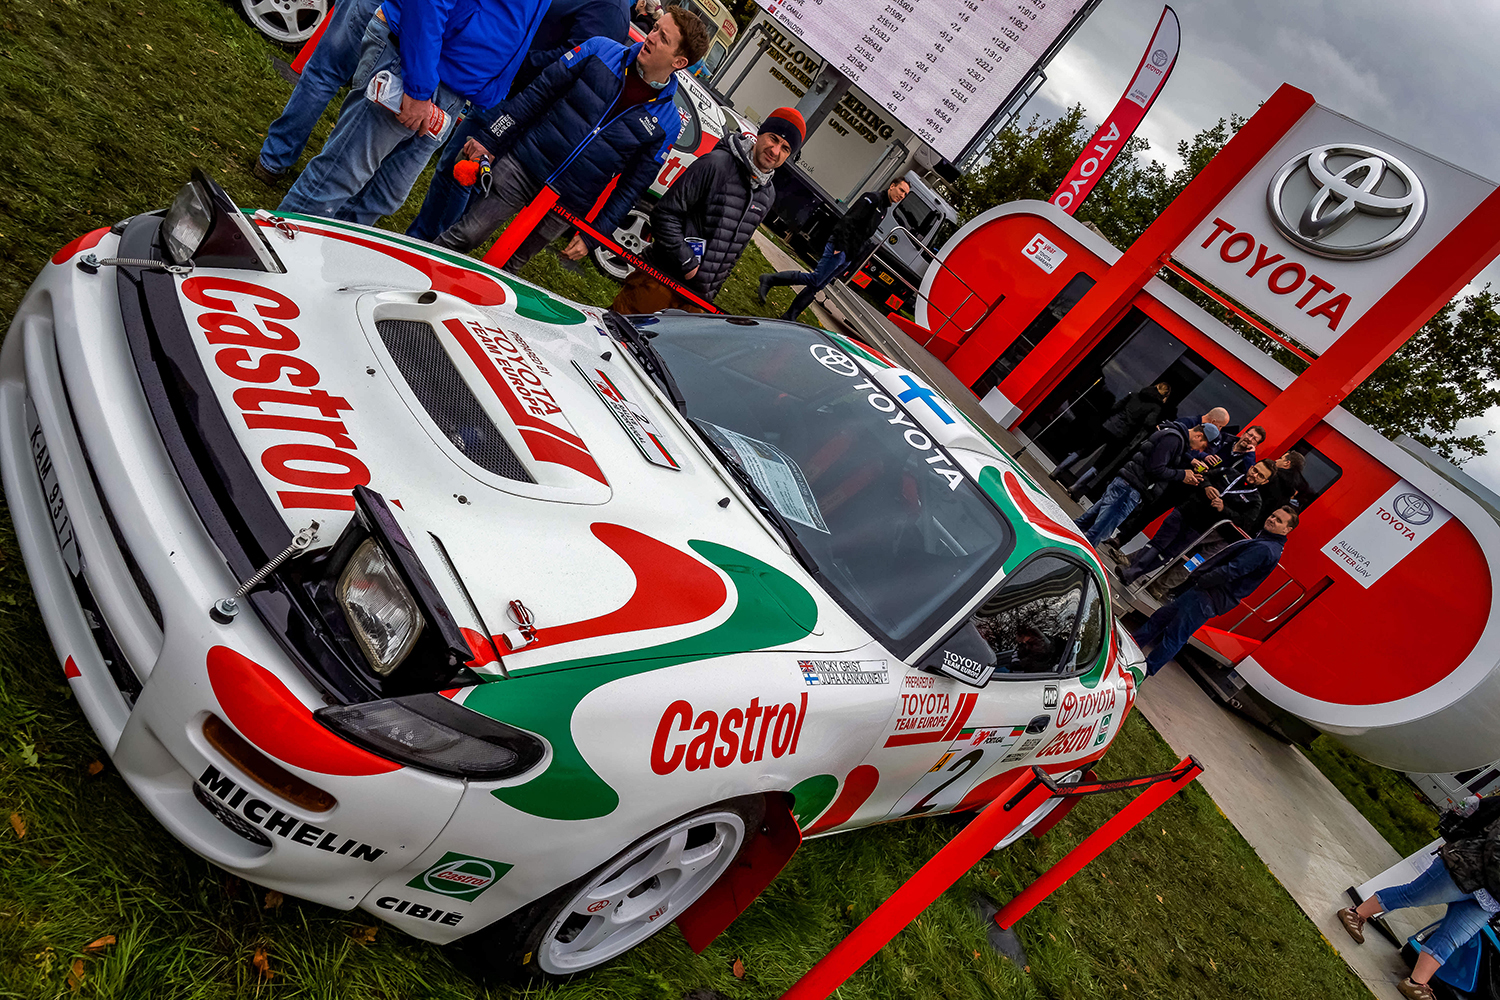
305 53
520 227
972 843
1093 845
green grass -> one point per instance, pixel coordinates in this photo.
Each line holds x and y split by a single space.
1393 805
107 106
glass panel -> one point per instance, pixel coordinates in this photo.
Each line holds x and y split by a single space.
691 132
1030 620
1033 334
891 526
1093 629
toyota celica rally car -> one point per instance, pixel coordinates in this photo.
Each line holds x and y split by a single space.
391 581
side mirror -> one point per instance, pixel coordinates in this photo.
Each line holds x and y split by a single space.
964 656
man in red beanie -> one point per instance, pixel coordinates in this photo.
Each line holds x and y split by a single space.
709 213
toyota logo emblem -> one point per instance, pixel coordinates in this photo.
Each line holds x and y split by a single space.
1412 508
834 360
1346 201
1159 58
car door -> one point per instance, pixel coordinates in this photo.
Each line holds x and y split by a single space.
1047 624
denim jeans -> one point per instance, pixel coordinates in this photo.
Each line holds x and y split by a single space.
332 63
1463 920
447 199
827 268
370 162
1101 520
1172 626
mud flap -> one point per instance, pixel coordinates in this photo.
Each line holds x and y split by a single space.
758 864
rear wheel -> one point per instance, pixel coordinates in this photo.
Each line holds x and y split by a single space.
599 917
633 236
290 22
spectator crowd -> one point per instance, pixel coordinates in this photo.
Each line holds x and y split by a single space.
538 102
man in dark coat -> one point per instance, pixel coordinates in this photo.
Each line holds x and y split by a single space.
1161 460
849 236
714 204
1218 585
1136 412
597 112
1239 451
568 23
1237 500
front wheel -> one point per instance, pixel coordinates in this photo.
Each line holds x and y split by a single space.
633 235
290 22
621 903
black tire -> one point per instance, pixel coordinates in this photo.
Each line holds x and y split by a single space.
288 22
538 943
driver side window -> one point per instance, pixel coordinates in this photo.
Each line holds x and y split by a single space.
1047 618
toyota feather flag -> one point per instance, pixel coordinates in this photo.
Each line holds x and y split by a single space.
1150 76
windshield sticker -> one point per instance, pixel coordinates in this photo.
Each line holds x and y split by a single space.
774 473
940 463
834 360
816 673
631 417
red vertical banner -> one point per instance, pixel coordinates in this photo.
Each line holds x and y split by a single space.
1150 76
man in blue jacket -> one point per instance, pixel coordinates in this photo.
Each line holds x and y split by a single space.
444 52
601 110
1162 460
1218 585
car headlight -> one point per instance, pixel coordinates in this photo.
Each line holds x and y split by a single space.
204 226
381 612
187 223
430 732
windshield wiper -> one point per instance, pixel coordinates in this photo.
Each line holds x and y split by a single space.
639 341
761 501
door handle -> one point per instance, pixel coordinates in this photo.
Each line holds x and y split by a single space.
1038 725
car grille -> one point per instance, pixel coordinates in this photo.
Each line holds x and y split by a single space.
447 398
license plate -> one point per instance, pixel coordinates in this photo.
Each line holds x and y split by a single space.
62 524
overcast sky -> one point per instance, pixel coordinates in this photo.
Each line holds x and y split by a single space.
1425 73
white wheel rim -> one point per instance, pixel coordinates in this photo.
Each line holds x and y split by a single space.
637 896
281 19
1042 812
632 237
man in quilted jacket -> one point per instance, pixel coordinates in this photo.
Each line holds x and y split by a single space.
701 225
602 109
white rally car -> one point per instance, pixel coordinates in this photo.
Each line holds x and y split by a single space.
391 581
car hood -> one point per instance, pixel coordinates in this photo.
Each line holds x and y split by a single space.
523 453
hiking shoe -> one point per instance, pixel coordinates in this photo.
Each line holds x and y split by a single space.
1415 991
1355 925
764 287
265 176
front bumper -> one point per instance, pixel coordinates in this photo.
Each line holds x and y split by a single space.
149 572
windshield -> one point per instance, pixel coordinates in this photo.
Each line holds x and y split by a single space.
896 532
915 214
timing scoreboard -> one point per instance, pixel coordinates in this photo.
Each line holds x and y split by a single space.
942 67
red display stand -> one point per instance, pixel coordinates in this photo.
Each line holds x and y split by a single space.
305 53
1028 793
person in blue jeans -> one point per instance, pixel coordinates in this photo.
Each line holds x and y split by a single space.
1163 459
856 227
329 68
1465 875
1227 578
444 52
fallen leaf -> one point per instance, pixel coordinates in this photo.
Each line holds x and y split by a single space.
274 900
1212 964
101 943
1050 935
95 767
1163 831
18 824
739 969
149 48
365 935
1159 899
261 962
976 954
76 979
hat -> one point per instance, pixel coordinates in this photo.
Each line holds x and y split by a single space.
1209 431
788 124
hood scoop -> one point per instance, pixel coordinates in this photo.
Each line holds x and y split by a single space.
437 384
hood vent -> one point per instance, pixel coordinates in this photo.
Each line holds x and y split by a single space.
447 398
